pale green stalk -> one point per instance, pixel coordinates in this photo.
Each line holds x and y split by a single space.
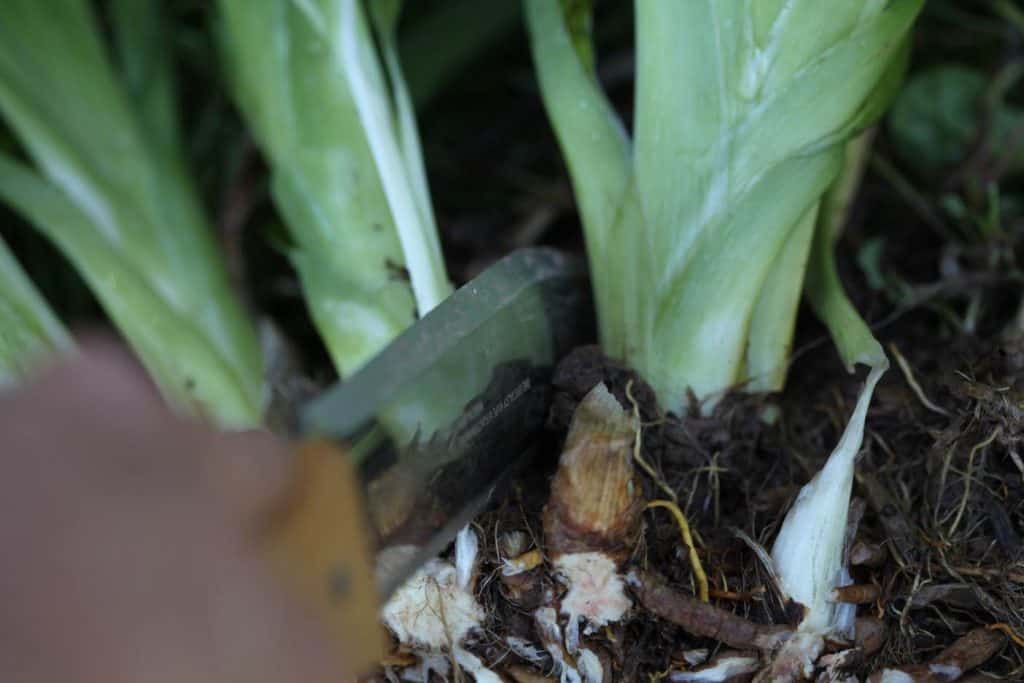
332 114
698 235
597 150
113 192
825 292
30 333
774 317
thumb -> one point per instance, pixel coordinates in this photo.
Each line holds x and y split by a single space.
250 472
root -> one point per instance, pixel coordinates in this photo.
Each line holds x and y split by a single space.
908 374
637 454
684 528
704 619
967 478
1008 631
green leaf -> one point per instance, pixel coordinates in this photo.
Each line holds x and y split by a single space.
770 338
597 151
939 116
172 345
825 293
121 206
333 116
29 331
146 63
699 233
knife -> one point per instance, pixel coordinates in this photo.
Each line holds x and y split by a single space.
395 460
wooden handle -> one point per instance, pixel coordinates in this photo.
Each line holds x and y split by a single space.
319 541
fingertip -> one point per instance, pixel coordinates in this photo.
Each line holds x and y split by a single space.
102 364
251 470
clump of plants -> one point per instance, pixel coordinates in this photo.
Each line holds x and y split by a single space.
711 202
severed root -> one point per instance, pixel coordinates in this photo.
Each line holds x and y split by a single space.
435 611
856 594
577 666
971 650
701 618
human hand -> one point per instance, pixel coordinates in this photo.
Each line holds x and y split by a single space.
128 544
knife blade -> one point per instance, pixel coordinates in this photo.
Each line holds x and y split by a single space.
431 428
451 406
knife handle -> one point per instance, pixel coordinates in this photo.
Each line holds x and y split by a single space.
319 542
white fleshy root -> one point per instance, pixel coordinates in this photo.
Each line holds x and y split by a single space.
948 672
527 650
596 589
724 667
472 664
588 667
808 552
435 611
844 620
431 611
467 547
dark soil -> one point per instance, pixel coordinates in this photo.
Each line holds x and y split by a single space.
942 493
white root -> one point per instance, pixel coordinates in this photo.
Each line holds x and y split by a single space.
597 592
809 551
435 611
587 667
431 611
472 664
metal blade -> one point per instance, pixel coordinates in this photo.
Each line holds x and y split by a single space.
448 410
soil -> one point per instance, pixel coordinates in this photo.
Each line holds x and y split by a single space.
942 493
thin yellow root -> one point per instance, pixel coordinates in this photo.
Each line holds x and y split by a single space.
662 484
1010 633
684 527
